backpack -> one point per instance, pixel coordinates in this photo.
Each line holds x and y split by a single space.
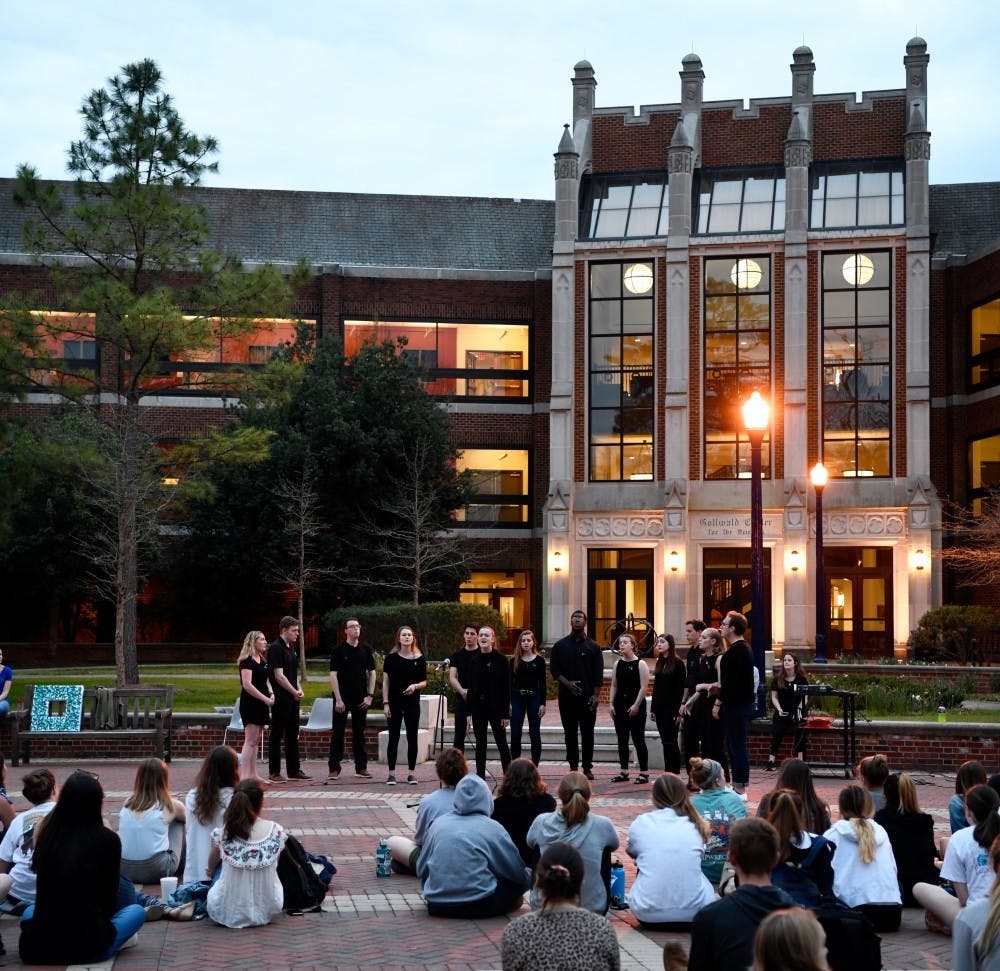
303 888
851 941
796 878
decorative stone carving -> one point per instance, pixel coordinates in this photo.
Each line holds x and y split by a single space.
680 160
917 147
557 506
619 527
675 506
795 508
567 168
919 510
859 525
798 154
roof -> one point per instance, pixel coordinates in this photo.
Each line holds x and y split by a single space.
964 217
442 232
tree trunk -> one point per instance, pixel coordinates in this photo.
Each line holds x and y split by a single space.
127 570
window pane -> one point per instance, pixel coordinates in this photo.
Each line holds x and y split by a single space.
873 416
720 313
755 347
758 190
605 424
638 461
727 192
721 461
841 186
838 456
874 211
724 219
720 349
840 212
605 280
756 217
605 463
717 276
873 306
638 389
754 310
605 389
637 316
647 195
611 223
838 417
605 352
643 222
605 317
638 351
873 344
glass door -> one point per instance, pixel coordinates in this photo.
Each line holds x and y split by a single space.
619 592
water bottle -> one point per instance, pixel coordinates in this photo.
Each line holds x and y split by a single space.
383 860
942 714
616 885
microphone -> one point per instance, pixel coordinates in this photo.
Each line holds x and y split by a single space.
440 665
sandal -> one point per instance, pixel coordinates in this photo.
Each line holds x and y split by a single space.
183 913
621 777
642 778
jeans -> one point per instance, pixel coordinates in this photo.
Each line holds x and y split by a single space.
634 725
576 713
667 727
359 717
521 705
735 720
404 711
479 725
126 921
284 728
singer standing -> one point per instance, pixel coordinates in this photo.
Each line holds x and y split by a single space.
458 678
404 674
488 698
352 680
578 665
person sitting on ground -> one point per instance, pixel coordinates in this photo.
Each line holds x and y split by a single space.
205 807
469 865
74 849
790 940
667 845
451 768
593 835
864 869
872 773
969 774
966 861
521 800
794 774
151 826
248 892
722 934
18 846
562 935
975 935
911 835
7 811
719 807
805 860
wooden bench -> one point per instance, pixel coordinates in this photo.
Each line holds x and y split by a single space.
139 710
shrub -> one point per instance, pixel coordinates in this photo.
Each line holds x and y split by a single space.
955 633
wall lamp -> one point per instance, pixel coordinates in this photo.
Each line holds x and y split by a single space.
674 561
557 562
920 560
795 561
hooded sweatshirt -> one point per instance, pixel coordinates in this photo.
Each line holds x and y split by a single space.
858 883
591 837
466 851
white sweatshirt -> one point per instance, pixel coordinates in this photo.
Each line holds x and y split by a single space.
858 883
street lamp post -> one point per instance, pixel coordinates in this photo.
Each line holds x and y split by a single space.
819 477
755 415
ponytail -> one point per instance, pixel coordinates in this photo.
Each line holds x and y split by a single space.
243 809
574 794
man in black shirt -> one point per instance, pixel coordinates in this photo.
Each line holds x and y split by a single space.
578 665
458 678
352 681
691 726
283 668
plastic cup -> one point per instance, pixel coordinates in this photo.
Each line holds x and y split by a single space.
167 886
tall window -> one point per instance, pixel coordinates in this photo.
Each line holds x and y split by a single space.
984 350
737 305
857 194
730 202
616 207
984 472
621 371
464 360
857 363
501 480
69 339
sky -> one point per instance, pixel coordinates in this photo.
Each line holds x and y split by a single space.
467 99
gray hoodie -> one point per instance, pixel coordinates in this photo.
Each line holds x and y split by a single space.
466 851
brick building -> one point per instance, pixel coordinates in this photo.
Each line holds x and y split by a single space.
593 353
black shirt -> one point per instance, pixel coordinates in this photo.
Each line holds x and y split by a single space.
280 655
788 699
528 675
668 689
627 683
578 659
736 675
352 665
402 672
460 661
489 685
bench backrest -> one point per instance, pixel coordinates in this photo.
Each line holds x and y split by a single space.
136 707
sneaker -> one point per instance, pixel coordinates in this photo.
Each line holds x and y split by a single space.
744 795
771 767
298 775
276 779
363 774
588 774
411 780
391 781
131 942
333 776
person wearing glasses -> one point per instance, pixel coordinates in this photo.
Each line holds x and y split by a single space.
352 681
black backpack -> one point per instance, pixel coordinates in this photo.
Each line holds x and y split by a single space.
851 941
302 886
796 878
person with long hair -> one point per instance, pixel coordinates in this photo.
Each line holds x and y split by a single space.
561 935
790 940
801 854
667 845
789 709
77 855
700 703
404 676
864 869
872 771
911 834
966 861
256 698
593 835
527 694
975 935
204 807
488 700
970 773
796 775
629 681
719 807
151 826
248 892
522 798
669 679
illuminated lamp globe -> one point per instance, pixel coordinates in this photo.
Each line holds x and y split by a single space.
745 274
638 278
858 269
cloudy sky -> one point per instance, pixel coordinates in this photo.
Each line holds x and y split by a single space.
447 98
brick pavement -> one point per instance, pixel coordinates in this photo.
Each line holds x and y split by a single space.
381 924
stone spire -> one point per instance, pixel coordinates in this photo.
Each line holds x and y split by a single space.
567 172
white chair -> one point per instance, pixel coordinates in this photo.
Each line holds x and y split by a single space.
320 716
235 722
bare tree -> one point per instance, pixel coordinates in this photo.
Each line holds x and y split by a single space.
973 548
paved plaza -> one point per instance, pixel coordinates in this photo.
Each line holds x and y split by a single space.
381 923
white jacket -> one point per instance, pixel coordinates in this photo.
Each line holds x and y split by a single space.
858 883
669 886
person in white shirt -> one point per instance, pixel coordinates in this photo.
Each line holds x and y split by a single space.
204 808
39 788
151 826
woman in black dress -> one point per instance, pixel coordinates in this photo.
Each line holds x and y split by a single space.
527 695
670 676
404 674
256 699
789 709
628 708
